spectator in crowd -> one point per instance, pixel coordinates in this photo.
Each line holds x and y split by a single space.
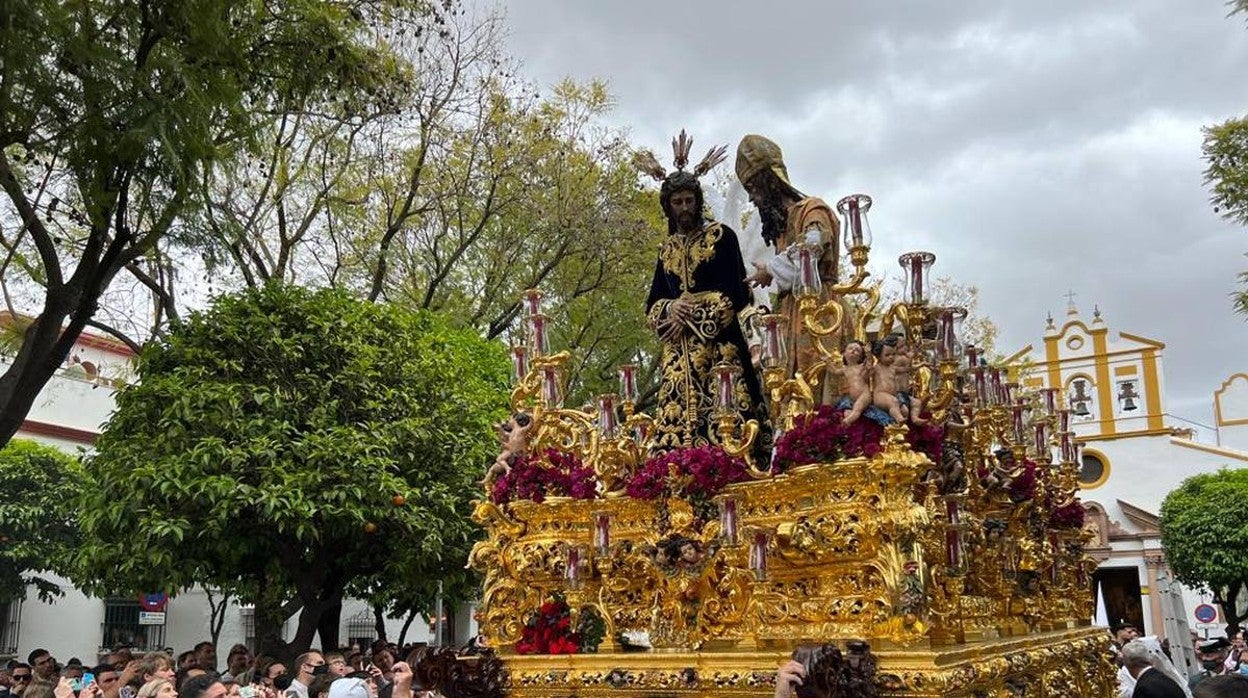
319 688
107 679
1235 657
1212 657
158 688
308 665
1227 686
238 664
43 663
204 685
186 660
20 677
206 656
1150 682
232 689
155 665
73 669
268 670
41 688
337 664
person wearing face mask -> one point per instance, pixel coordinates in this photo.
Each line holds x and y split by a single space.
1212 657
310 665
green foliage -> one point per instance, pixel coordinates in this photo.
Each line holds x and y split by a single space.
38 527
269 435
112 111
1203 532
1226 151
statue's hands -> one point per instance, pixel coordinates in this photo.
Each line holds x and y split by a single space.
761 276
681 309
670 329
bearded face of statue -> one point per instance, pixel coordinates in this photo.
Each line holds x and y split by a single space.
764 191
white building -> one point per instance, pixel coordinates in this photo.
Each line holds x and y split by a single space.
1136 453
69 414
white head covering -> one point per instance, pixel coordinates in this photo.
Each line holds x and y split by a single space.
348 688
1160 662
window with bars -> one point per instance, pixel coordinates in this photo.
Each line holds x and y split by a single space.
126 624
360 629
10 622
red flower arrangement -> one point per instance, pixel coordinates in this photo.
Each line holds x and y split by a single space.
1069 516
824 436
699 472
1025 484
550 631
553 474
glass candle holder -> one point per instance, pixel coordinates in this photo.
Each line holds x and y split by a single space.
725 384
758 555
531 299
808 281
537 334
1050 401
1043 452
728 520
602 533
641 434
953 547
552 388
607 424
1017 410
628 382
519 362
774 353
917 266
572 573
853 210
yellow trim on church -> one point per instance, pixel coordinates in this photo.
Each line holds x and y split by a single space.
1237 455
1152 389
1105 387
1217 402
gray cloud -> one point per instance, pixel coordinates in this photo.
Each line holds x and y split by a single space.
1035 147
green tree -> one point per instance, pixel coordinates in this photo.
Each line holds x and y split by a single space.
1226 155
38 527
111 111
286 442
1203 534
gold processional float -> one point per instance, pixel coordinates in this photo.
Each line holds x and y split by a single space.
945 559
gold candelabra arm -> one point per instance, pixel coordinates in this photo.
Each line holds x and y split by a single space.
737 439
821 321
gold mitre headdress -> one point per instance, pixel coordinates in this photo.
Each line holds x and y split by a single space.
645 160
757 153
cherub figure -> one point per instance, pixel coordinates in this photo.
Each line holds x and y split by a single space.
513 440
856 374
903 366
884 376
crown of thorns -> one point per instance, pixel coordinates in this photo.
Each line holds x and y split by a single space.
681 145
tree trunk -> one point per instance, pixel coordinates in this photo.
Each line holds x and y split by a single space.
411 616
329 623
379 622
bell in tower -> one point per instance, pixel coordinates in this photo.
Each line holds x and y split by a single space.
1127 396
1079 399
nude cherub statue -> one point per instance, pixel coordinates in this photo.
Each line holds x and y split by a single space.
856 374
513 440
884 377
903 364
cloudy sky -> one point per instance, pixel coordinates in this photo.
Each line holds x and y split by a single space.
1036 148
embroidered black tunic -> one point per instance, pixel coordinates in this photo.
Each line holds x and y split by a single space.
705 267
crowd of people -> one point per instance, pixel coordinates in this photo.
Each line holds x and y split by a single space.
374 673
1147 671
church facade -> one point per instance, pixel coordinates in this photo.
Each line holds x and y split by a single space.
1135 452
